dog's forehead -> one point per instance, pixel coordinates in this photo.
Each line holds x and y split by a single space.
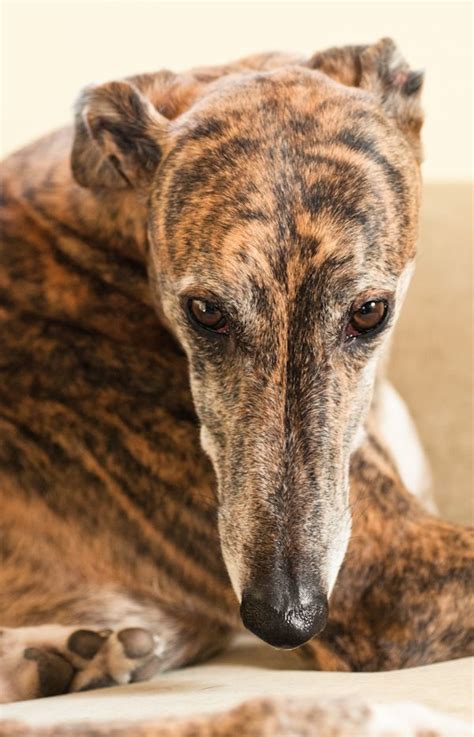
271 100
281 167
253 136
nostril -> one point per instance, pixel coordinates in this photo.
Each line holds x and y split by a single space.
283 624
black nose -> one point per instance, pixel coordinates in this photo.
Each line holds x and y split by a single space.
281 621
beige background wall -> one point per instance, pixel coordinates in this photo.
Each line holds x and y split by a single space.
432 358
52 49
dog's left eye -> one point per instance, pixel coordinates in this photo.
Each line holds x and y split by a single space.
367 318
207 315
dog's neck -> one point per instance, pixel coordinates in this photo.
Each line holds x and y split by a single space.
87 249
115 219
111 219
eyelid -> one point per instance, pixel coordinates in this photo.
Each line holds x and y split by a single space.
200 327
186 306
372 296
203 295
370 302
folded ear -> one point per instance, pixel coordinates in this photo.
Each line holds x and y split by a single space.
380 69
119 137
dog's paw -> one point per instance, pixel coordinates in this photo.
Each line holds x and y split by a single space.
126 656
51 660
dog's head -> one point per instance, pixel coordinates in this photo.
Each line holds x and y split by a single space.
282 219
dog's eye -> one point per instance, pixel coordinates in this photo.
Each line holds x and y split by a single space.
368 318
207 316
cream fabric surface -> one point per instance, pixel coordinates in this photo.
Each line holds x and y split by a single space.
250 669
432 367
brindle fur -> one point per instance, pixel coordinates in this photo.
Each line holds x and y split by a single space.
288 187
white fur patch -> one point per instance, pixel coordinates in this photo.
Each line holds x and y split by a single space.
399 434
338 552
232 570
208 445
402 286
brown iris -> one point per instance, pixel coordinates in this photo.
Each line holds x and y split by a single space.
207 315
367 318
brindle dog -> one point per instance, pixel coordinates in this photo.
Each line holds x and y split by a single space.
267 211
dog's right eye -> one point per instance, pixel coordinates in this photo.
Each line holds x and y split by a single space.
208 316
368 318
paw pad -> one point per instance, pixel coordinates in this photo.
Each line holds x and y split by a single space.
85 643
136 642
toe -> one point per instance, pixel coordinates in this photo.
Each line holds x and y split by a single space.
85 643
54 672
136 642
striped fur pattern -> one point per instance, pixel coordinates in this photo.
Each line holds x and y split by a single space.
283 190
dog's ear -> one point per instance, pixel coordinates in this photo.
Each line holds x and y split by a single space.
119 137
380 69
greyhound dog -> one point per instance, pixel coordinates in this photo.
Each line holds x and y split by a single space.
215 260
